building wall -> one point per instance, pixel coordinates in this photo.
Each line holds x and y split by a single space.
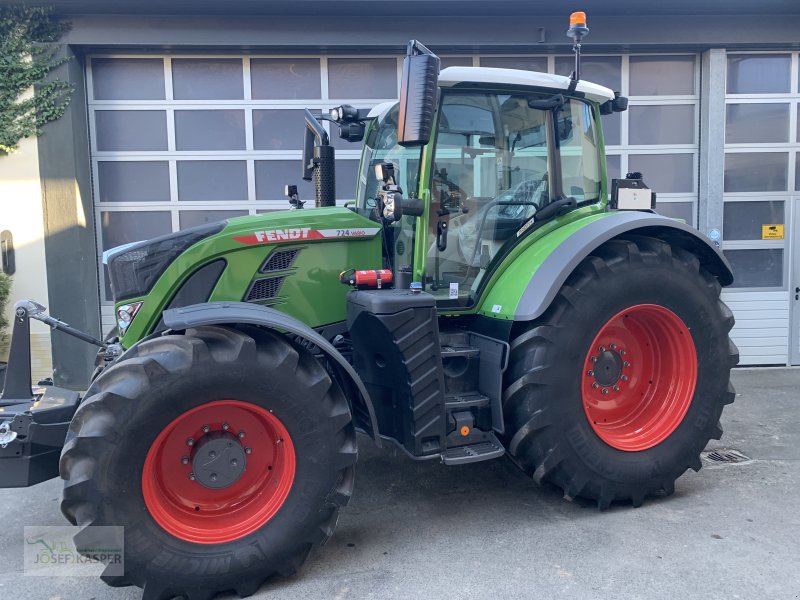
21 214
74 179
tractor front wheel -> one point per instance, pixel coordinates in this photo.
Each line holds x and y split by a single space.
614 392
225 454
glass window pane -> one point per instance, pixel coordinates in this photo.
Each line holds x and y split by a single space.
758 73
611 129
648 125
665 173
580 168
273 175
523 63
684 211
133 181
362 78
756 123
612 169
347 178
603 70
456 61
280 129
756 171
285 78
212 180
124 227
131 130
209 130
207 79
661 75
192 218
762 267
743 220
128 78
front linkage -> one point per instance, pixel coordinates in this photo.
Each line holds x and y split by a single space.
34 421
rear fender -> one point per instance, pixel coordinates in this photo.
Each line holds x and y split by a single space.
551 272
233 313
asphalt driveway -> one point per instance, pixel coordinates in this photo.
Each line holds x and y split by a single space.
423 530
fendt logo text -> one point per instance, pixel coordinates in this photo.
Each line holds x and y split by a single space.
277 235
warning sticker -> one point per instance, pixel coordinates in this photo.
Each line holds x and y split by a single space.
453 291
772 232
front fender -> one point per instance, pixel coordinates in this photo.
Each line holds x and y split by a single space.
525 290
232 313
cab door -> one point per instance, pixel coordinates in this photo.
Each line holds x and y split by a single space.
498 160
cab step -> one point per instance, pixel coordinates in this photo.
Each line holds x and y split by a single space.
486 450
465 401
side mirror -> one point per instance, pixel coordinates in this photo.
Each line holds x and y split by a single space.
418 93
618 104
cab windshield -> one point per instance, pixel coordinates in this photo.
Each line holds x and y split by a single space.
381 146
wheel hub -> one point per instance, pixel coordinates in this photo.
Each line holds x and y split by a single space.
608 368
219 460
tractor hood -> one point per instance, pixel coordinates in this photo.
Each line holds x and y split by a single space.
284 259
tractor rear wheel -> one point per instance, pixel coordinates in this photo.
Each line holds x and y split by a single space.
225 453
614 392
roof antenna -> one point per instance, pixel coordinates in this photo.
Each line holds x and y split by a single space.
577 30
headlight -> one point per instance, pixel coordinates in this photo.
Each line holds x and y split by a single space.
134 269
125 315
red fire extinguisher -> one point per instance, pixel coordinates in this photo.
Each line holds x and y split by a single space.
370 279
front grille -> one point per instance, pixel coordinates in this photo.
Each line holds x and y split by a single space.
279 260
264 289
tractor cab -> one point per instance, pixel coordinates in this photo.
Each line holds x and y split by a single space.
508 150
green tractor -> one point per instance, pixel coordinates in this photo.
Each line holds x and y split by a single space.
489 293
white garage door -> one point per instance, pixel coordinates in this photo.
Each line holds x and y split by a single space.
182 140
762 131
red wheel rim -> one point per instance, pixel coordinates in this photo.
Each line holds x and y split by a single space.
189 510
639 377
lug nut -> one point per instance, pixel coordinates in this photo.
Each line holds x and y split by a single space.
185 460
616 388
613 346
191 476
626 364
624 378
190 442
590 373
279 441
622 352
594 359
206 428
241 434
604 391
595 385
247 450
602 348
225 427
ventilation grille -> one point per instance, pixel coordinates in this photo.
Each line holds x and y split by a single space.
264 289
280 260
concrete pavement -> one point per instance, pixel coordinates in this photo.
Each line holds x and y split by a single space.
485 531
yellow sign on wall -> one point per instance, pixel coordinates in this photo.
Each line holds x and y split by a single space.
772 232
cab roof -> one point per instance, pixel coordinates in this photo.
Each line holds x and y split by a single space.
452 76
